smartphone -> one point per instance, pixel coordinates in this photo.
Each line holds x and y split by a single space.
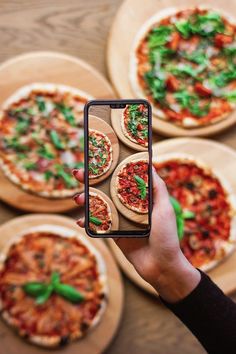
118 172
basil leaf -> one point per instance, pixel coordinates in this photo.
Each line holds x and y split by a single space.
187 214
223 78
34 288
180 227
42 298
68 292
56 140
176 206
141 186
55 278
95 220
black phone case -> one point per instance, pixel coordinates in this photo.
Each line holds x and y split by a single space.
86 150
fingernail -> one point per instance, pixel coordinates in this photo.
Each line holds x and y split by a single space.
76 196
74 172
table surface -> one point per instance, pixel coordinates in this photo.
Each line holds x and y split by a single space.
81 28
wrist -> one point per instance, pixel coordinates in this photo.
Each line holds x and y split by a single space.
178 280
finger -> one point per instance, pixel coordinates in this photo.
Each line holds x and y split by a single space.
79 199
80 222
160 192
129 245
79 174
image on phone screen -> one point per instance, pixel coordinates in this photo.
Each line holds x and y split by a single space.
118 168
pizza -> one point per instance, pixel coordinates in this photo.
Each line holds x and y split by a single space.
100 217
100 153
184 63
209 236
132 186
41 138
78 296
135 123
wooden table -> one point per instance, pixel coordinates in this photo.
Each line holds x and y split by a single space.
80 28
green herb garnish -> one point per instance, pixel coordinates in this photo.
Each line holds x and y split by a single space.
41 103
56 140
181 216
68 114
42 291
141 186
95 220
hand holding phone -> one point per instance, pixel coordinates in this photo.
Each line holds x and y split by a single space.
118 168
158 259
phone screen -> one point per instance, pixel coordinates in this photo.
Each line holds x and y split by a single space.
118 168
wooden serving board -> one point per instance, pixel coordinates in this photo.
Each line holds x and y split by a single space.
100 125
116 117
132 15
129 214
49 67
218 157
95 342
114 213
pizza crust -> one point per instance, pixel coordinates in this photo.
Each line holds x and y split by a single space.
17 96
188 122
223 248
55 341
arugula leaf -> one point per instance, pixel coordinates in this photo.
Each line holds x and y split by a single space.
15 144
141 186
223 78
156 85
159 36
197 56
230 96
44 152
48 175
184 69
28 165
40 103
95 220
56 140
68 114
23 125
208 24
68 179
191 102
184 28
160 55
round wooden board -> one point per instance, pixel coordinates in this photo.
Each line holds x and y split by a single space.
114 213
129 214
95 342
132 15
100 125
217 156
116 117
49 67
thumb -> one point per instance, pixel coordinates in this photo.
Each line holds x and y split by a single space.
160 193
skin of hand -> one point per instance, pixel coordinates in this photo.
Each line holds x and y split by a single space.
157 258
